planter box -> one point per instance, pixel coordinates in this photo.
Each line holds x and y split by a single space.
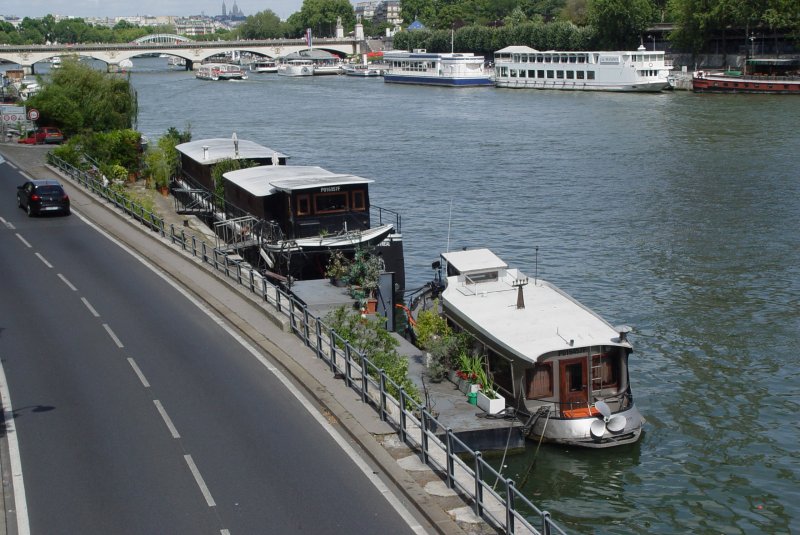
492 406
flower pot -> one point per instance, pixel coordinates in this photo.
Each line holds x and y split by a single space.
491 405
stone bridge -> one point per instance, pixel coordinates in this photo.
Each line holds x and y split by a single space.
194 52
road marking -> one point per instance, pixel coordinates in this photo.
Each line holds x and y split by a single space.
26 175
23 240
43 259
136 369
9 225
199 479
17 482
167 420
12 165
63 278
90 307
112 335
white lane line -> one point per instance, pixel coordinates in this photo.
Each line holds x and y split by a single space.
365 468
26 175
8 224
136 369
199 479
112 335
69 284
23 240
90 307
167 420
12 165
44 260
17 481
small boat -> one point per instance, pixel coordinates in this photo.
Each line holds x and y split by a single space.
763 75
175 61
423 68
296 67
561 368
626 71
220 71
361 69
264 65
55 62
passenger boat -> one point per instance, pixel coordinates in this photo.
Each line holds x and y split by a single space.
420 67
364 70
770 76
562 368
296 67
327 66
175 61
264 65
635 71
220 71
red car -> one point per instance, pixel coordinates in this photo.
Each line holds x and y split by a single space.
45 134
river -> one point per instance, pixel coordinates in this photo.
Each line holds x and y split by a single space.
675 213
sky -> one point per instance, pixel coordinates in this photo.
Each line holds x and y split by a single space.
122 8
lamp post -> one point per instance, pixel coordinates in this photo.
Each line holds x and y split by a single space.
752 45
653 37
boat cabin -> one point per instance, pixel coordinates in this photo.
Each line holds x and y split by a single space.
547 353
305 201
199 157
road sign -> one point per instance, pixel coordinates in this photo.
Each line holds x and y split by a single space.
33 114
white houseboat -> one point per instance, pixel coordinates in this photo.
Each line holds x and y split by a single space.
296 67
420 67
364 70
636 71
264 65
220 71
558 364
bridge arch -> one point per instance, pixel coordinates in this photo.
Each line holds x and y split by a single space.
162 38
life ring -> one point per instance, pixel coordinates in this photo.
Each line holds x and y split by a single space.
304 70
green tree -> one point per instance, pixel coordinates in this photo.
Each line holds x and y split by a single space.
620 23
262 25
421 10
80 99
321 16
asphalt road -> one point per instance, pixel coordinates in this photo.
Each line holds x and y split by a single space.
137 411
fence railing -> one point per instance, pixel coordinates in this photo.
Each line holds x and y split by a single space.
494 497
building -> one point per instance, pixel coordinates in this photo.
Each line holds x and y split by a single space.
388 11
365 9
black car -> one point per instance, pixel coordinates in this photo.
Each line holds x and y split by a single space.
43 196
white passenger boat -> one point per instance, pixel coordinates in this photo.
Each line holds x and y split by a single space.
364 70
220 71
420 67
175 61
558 364
636 71
264 65
296 67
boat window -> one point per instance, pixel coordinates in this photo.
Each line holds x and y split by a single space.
531 74
476 278
359 203
551 74
573 59
590 75
539 58
547 59
580 75
560 75
326 203
565 59
574 377
539 381
303 205
513 73
540 74
605 370
581 59
570 75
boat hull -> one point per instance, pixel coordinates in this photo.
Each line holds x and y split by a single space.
483 81
774 85
370 236
633 87
576 431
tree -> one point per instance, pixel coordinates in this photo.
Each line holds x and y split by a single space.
262 25
321 16
79 99
421 10
620 23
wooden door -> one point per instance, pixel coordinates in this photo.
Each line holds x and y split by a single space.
573 383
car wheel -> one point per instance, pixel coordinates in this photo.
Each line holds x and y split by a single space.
30 211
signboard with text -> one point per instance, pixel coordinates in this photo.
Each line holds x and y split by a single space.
12 114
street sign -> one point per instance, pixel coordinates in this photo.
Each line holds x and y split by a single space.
33 114
12 114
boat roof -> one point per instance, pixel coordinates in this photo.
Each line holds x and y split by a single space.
551 320
399 54
223 148
515 49
268 179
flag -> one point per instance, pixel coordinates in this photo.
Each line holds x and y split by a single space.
308 37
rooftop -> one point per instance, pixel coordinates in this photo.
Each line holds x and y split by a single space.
268 179
212 150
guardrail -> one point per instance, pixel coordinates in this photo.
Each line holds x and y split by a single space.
494 498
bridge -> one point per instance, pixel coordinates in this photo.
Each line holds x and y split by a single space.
194 52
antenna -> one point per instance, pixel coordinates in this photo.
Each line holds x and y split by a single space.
536 264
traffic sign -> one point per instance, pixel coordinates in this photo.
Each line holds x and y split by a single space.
33 114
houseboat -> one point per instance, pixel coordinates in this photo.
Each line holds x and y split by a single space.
627 71
774 76
308 212
296 67
220 71
562 368
364 70
423 68
264 65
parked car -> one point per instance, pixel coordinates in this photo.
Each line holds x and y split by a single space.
45 134
43 196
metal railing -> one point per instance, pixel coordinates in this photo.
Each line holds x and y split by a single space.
494 497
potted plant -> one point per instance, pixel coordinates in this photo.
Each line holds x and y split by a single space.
364 273
338 268
488 398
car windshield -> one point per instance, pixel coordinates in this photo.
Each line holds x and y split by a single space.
49 190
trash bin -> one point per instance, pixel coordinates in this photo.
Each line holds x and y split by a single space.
472 397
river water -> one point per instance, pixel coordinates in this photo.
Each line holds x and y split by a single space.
675 213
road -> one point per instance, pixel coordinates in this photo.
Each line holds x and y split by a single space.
136 410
